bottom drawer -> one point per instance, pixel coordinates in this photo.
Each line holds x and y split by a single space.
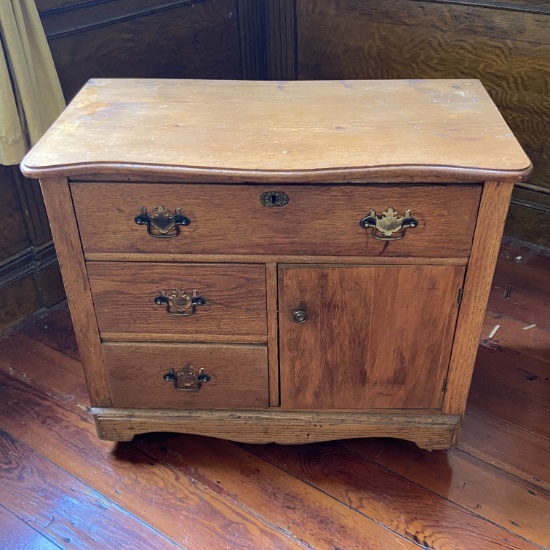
146 375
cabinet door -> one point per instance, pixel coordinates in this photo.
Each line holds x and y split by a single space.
374 337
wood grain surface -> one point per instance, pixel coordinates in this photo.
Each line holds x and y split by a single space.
255 129
239 377
19 535
235 300
75 279
200 39
428 431
479 275
317 220
64 510
350 477
519 506
372 338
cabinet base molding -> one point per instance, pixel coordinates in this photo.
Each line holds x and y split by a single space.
428 431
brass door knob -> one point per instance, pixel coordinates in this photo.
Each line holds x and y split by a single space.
299 316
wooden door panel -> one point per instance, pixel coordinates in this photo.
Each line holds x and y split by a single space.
375 337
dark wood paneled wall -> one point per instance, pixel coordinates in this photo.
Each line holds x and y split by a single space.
505 44
142 39
29 274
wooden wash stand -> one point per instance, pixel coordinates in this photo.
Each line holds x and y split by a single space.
278 261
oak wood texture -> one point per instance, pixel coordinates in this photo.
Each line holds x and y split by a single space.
372 338
428 431
269 258
318 220
235 300
172 127
490 222
272 333
492 490
58 203
348 476
239 377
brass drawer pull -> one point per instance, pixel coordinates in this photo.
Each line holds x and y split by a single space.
388 226
186 379
178 302
161 223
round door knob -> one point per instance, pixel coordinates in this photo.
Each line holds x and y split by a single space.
299 316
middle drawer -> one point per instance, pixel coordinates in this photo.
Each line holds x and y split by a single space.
181 302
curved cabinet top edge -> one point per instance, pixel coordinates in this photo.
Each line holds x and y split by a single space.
378 174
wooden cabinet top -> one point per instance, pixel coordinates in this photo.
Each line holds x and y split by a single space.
302 131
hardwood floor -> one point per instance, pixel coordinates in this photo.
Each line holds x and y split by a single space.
61 487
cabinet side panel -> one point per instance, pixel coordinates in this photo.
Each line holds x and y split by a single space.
73 269
488 233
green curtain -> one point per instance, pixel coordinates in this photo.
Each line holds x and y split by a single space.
30 94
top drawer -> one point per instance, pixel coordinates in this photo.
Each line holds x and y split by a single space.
319 220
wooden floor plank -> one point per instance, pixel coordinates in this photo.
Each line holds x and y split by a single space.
55 329
15 534
528 255
183 509
473 484
515 406
506 446
515 370
316 519
511 335
521 293
64 509
410 510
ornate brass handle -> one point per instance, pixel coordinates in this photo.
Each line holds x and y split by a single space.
186 379
388 223
161 223
179 302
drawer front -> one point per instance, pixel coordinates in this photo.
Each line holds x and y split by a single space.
146 301
317 219
237 375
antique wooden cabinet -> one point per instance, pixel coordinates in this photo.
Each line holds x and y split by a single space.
278 261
